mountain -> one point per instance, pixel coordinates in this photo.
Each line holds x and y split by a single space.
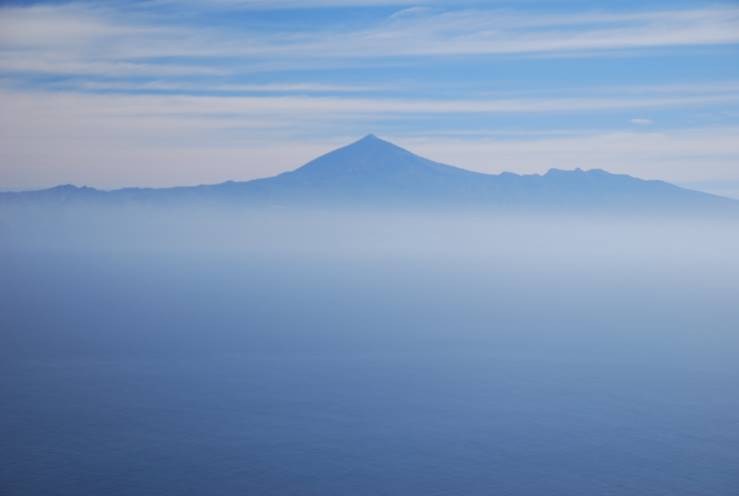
375 173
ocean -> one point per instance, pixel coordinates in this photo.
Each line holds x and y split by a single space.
369 357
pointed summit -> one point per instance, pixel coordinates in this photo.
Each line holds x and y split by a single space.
370 158
371 140
367 141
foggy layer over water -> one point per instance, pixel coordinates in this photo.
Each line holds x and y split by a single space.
214 352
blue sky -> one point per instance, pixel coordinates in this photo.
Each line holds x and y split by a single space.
160 92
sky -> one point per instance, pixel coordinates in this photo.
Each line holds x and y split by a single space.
162 92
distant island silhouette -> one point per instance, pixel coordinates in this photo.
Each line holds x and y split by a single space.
375 173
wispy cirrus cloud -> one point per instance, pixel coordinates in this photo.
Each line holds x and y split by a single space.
310 4
109 41
210 87
332 105
499 32
49 64
80 39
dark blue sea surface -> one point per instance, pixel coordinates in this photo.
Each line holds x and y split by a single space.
523 369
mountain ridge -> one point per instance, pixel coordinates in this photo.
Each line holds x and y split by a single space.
372 172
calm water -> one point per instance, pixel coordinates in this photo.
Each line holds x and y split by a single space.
435 362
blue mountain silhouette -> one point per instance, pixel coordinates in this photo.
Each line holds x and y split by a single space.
375 173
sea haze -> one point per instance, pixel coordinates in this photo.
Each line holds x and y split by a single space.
159 351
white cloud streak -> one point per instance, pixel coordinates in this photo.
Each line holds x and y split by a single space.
309 4
121 105
173 86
